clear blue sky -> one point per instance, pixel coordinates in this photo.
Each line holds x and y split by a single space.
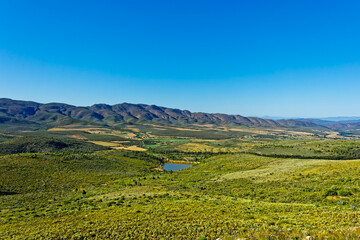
254 58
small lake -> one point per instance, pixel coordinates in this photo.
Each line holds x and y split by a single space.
175 167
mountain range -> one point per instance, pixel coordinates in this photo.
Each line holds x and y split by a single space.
52 114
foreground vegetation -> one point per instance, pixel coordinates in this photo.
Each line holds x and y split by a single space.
244 187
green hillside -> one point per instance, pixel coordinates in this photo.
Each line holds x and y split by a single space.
119 194
43 144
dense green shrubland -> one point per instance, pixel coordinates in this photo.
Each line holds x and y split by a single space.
42 145
120 194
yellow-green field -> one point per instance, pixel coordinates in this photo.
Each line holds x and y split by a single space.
108 183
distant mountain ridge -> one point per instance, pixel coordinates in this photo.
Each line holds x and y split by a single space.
337 123
342 119
59 113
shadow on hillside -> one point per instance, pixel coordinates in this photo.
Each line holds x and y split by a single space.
7 193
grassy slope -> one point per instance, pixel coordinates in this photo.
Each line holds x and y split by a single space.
42 144
118 194
226 195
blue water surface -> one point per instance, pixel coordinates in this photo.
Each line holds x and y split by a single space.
175 167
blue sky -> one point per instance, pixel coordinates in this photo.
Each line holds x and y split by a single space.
254 58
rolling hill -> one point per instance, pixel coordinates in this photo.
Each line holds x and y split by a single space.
52 114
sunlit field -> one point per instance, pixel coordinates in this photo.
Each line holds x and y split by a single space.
258 186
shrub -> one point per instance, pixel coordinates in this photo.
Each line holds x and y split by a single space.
333 191
344 192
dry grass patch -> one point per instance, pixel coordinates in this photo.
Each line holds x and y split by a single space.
294 132
248 130
134 129
77 137
131 135
133 148
57 129
120 142
285 168
105 144
204 125
204 140
159 127
202 147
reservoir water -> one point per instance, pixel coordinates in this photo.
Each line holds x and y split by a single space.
175 167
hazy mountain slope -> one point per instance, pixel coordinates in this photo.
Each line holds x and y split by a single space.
342 119
59 113
316 121
335 125
345 126
296 123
